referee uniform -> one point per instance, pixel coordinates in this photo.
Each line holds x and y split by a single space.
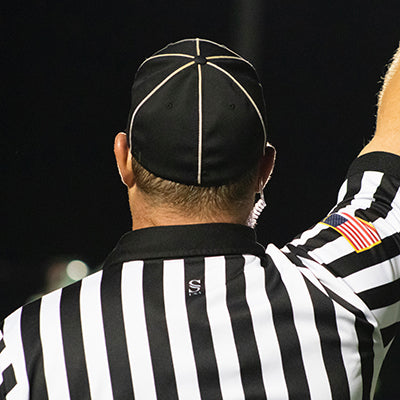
205 312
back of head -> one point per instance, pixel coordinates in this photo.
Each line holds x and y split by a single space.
204 202
196 127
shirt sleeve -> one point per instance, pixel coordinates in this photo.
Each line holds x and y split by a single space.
359 241
7 376
13 375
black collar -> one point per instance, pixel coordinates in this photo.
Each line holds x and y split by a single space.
163 242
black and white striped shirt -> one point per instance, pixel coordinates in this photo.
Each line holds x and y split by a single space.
204 312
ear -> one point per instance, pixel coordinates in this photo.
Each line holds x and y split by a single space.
124 159
267 164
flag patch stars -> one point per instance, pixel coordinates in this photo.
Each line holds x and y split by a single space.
361 234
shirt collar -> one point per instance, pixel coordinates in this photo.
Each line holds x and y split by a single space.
179 241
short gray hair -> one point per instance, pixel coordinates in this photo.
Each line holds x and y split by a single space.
233 198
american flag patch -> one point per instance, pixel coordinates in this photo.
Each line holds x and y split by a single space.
359 233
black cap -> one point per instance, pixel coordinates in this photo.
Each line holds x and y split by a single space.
197 115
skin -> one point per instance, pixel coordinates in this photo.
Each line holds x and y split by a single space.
387 133
145 215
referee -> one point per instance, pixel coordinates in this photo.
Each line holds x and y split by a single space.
188 305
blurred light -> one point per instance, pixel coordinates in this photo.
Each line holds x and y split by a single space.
77 270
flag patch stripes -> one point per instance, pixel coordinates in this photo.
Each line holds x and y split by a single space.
361 234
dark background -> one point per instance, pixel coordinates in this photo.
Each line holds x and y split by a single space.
67 68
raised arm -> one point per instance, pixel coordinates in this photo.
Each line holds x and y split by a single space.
387 134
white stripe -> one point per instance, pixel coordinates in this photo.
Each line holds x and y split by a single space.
265 334
4 362
363 199
310 276
165 55
94 342
14 354
247 95
52 344
390 225
200 137
342 191
304 321
387 316
374 276
197 46
136 331
161 84
309 234
331 251
349 348
338 286
369 184
238 58
200 140
221 329
178 330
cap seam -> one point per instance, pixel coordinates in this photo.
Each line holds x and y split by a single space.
165 55
229 58
200 136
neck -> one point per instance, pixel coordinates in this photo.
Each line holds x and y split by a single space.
146 215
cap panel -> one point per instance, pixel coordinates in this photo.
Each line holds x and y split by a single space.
246 76
231 128
144 87
197 114
151 73
165 130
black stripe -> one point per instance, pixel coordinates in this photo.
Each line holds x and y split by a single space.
317 241
364 331
2 345
383 198
376 161
114 331
381 296
160 348
200 332
186 241
289 344
8 381
74 353
243 331
298 251
325 319
389 333
33 350
353 187
355 262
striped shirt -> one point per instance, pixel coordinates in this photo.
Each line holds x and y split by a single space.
205 312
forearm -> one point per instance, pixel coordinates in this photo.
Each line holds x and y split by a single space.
387 134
